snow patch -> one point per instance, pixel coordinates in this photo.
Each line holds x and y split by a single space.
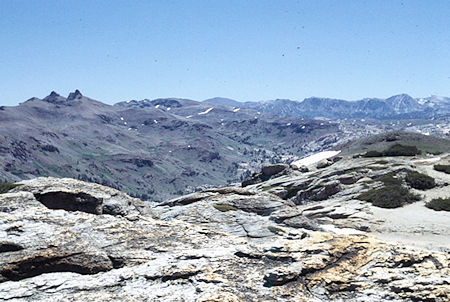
121 118
427 160
236 109
189 116
230 148
155 121
168 109
312 159
206 111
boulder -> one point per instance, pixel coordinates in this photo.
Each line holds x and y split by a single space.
270 170
324 163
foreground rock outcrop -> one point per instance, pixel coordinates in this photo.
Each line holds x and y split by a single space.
234 245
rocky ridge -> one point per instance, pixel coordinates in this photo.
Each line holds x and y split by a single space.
400 106
295 236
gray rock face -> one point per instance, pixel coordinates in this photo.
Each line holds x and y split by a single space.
266 173
73 195
270 170
75 250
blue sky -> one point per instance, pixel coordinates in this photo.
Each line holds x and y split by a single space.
246 50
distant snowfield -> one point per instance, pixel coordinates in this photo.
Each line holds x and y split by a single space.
312 159
206 111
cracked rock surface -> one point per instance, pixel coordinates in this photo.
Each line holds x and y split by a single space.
228 244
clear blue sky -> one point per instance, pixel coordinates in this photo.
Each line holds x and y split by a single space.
246 50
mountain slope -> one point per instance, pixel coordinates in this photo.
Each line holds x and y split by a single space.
154 149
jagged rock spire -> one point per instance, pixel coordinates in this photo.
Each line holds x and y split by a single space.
54 97
74 95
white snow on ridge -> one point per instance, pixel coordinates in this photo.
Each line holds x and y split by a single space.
236 109
206 111
312 159
157 106
121 118
189 116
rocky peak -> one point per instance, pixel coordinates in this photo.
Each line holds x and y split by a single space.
54 97
169 102
74 95
403 103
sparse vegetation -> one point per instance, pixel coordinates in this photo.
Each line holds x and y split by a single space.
394 150
442 168
275 230
419 181
439 204
380 143
7 186
402 150
389 179
373 153
392 196
381 162
224 207
391 137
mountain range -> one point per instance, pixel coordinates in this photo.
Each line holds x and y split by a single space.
400 106
162 148
152 149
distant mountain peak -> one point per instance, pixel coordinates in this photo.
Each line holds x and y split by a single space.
54 97
224 102
53 94
74 95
